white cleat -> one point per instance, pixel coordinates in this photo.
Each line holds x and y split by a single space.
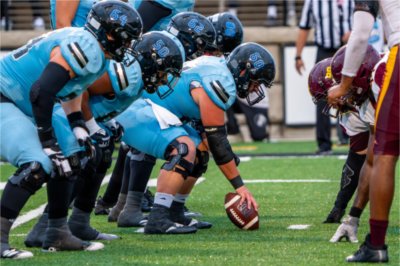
16 254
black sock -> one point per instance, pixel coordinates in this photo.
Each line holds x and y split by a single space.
140 172
349 181
59 192
114 186
13 200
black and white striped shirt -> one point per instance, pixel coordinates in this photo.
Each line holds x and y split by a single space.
330 18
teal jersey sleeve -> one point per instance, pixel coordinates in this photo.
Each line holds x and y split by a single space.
216 79
82 52
126 81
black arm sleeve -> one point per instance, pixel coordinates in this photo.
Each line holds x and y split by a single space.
151 12
371 7
219 144
43 95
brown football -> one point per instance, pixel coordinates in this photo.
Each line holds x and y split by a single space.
240 215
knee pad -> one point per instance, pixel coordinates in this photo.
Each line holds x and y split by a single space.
201 163
30 176
177 163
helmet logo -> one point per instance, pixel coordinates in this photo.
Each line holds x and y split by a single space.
117 14
328 74
161 49
196 25
230 29
257 60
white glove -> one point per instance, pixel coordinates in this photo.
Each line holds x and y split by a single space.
61 166
348 230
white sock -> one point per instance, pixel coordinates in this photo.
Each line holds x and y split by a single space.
163 199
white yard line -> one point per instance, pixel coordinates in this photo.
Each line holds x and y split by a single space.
298 226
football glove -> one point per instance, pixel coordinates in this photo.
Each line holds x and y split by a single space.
61 166
115 128
348 230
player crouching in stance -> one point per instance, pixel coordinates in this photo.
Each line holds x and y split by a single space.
173 128
33 78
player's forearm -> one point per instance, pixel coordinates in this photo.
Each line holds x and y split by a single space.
73 105
65 12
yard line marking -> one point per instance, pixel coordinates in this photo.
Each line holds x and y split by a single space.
287 181
19 235
2 185
153 182
28 216
38 211
298 226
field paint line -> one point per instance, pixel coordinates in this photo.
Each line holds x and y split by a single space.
245 158
298 226
153 182
275 157
287 181
29 216
38 211
18 235
2 185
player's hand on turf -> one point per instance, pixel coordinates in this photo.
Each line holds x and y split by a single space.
247 197
116 129
347 230
61 166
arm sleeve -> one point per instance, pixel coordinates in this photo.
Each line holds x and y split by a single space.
43 95
358 42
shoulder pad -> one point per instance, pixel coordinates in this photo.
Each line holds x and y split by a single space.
126 81
369 6
82 52
220 86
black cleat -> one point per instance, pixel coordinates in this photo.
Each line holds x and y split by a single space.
147 201
102 207
160 223
36 236
367 253
191 214
334 216
178 216
61 239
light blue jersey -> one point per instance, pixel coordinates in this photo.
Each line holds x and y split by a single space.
142 128
22 67
212 74
80 15
176 6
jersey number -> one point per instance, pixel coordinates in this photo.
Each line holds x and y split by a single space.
25 49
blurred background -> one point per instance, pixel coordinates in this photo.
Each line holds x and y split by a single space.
271 23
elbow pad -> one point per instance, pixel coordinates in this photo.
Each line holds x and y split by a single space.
219 144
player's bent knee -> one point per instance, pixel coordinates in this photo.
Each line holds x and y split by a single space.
30 176
201 163
176 161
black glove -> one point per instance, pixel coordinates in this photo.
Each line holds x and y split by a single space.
105 144
116 129
61 166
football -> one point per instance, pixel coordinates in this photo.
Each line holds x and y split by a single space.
240 215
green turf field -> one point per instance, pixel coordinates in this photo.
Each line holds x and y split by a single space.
281 204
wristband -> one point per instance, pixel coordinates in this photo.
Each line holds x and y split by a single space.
237 182
92 126
297 58
75 119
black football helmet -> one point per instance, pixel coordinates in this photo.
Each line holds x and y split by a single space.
251 63
229 31
118 20
159 53
195 32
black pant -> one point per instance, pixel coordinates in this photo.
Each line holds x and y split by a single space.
323 125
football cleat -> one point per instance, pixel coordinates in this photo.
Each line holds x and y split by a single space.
147 201
131 219
348 230
178 216
334 216
16 254
36 236
368 254
159 223
102 207
191 214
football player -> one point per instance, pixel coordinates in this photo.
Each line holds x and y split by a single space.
206 88
387 129
229 35
29 88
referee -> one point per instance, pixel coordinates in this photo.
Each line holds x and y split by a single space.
331 20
